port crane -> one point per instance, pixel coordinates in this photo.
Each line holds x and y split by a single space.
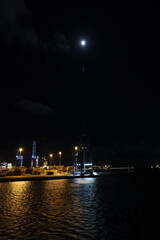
83 153
34 158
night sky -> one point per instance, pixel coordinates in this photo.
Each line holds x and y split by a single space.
46 97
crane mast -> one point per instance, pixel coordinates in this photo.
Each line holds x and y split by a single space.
34 158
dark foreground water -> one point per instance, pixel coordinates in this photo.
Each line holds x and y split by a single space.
112 208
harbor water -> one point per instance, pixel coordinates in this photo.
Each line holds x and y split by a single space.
109 208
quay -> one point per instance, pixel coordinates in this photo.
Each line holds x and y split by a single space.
58 176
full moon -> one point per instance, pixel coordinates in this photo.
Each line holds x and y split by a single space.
83 43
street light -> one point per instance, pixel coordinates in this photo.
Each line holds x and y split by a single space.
20 150
60 153
51 155
76 156
19 158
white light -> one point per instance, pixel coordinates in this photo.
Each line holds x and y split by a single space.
9 165
83 43
94 173
88 164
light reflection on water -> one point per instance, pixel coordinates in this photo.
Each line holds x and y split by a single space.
82 208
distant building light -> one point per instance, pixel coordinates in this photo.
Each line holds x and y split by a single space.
9 165
4 165
88 164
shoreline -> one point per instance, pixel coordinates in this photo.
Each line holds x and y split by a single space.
54 177
64 176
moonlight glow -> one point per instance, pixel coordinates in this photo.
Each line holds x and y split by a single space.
83 43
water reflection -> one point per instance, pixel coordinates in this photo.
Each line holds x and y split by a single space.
87 209
64 208
84 180
14 207
83 208
13 195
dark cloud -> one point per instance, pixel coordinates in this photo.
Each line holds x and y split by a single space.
35 108
57 42
17 28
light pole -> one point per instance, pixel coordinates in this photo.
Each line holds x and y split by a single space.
20 150
51 156
76 156
19 157
60 154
